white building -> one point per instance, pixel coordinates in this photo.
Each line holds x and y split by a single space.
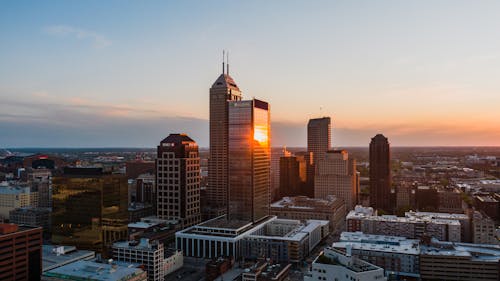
398 256
413 225
231 238
335 265
483 229
13 197
145 252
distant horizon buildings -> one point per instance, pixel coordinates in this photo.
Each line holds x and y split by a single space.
381 194
178 180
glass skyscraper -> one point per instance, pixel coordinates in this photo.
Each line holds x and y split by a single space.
249 160
89 209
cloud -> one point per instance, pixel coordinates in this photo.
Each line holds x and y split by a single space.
98 40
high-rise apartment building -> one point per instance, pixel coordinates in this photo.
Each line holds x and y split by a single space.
21 252
249 160
178 180
222 91
89 208
336 175
381 196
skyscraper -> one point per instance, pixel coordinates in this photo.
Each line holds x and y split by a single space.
89 208
292 176
319 138
249 160
222 91
381 196
336 175
319 141
178 180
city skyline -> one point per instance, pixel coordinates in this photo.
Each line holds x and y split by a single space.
101 71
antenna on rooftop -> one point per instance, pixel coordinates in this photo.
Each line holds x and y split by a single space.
227 61
223 64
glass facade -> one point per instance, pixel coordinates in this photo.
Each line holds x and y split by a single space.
249 160
89 211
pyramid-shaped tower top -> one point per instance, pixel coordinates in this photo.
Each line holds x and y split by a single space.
224 80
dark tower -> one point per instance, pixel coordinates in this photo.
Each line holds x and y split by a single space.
380 174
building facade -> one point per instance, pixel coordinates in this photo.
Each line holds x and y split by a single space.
178 180
336 175
319 141
302 208
21 255
223 90
89 209
150 254
249 160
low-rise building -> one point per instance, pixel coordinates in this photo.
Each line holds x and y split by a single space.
264 271
12 197
304 208
459 261
271 237
32 217
333 264
413 225
483 229
56 256
398 256
150 254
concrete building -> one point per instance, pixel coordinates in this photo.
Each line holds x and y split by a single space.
276 154
302 208
14 196
145 192
21 254
336 175
92 270
411 226
40 181
178 180
54 256
483 229
33 217
333 264
239 239
249 160
398 256
459 261
150 254
319 141
488 205
282 240
450 201
293 176
223 90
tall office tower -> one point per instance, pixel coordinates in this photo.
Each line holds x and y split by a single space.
380 174
222 91
292 176
89 209
276 154
249 160
178 180
40 181
21 255
319 141
336 175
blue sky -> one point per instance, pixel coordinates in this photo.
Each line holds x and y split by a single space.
128 73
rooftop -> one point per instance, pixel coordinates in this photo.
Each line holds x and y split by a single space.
380 243
335 257
303 203
91 270
56 256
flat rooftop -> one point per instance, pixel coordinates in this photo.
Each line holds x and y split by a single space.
379 243
90 270
51 259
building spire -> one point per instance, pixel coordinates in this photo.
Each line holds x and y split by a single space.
227 61
223 64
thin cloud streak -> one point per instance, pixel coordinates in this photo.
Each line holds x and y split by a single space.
98 40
